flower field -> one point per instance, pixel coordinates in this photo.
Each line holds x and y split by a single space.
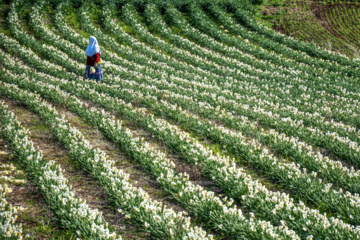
207 125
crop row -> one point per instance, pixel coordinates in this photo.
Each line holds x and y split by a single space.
342 20
9 229
71 211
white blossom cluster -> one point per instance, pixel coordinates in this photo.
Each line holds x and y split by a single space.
9 229
10 174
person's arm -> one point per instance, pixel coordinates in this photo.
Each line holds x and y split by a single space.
97 59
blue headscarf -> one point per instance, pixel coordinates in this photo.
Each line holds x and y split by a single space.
93 47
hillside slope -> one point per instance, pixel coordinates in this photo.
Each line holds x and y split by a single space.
331 25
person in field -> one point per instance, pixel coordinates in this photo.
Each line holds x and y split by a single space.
93 69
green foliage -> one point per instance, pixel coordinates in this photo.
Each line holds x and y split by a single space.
274 2
178 3
141 3
257 2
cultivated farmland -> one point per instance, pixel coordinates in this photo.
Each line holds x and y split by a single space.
207 125
334 25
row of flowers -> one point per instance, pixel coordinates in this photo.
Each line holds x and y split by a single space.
71 211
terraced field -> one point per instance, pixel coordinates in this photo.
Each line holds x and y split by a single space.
207 125
333 25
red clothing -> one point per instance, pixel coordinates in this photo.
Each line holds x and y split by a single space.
91 60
